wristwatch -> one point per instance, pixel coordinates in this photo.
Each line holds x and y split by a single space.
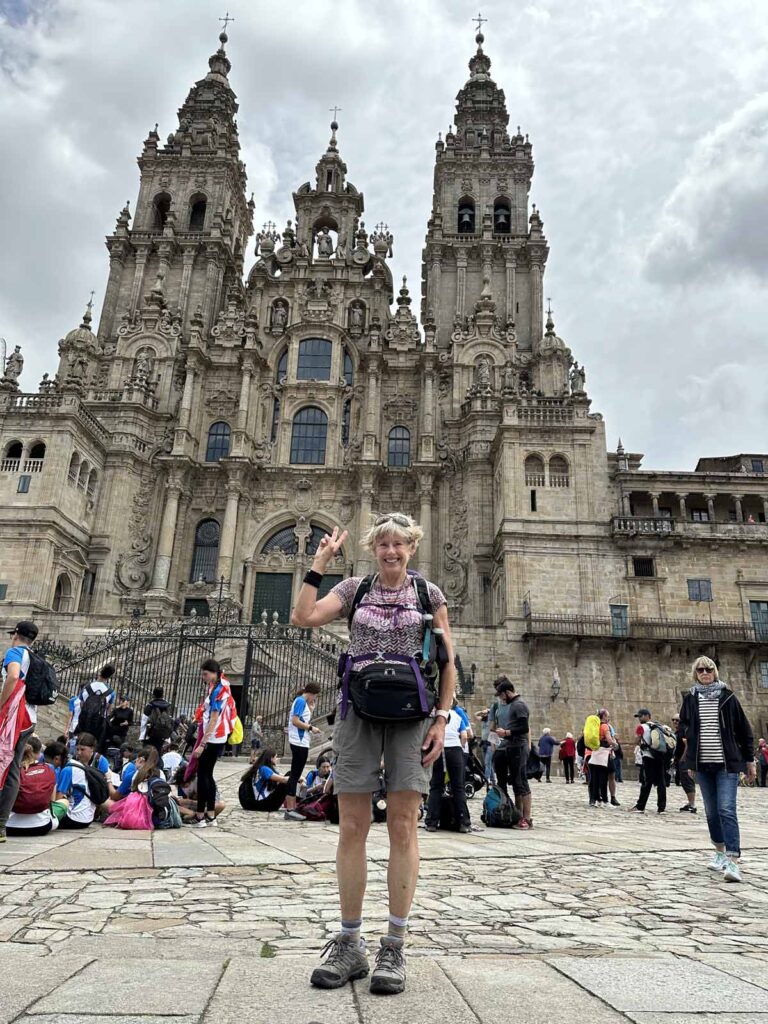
442 713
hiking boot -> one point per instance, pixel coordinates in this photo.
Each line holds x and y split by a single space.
294 816
718 862
344 961
731 872
685 808
615 802
388 976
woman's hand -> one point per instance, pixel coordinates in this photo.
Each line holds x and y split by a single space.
328 548
198 751
432 747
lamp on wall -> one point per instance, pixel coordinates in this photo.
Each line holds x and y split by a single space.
555 690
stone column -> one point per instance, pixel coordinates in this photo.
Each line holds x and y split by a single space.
710 499
229 531
625 505
683 510
765 509
142 254
654 496
425 518
428 414
364 562
433 300
211 276
737 500
164 554
537 303
245 394
461 282
188 262
510 300
371 413
108 310
248 592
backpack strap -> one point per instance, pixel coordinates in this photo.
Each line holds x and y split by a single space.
363 588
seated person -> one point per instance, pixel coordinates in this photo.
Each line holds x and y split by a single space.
171 760
71 789
37 747
316 778
31 813
261 787
86 752
187 798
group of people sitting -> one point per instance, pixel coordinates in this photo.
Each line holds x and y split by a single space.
140 789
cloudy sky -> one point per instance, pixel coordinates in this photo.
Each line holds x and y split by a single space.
649 120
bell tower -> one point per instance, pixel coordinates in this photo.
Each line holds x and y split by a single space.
481 238
191 222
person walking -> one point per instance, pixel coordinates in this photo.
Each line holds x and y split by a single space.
511 722
218 714
393 615
96 700
654 768
17 717
599 764
568 757
547 744
299 732
683 776
614 762
719 746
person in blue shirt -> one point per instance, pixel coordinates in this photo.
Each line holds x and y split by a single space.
262 788
15 666
547 744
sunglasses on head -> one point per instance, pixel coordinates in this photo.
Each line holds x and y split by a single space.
395 517
703 668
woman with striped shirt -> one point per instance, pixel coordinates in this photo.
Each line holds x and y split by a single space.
719 746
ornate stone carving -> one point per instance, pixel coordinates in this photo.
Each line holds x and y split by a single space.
133 568
401 408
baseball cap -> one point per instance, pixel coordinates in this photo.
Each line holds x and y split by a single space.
642 711
26 629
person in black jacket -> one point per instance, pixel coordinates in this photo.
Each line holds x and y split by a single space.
719 746
157 721
683 777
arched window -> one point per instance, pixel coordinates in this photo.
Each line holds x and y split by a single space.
466 224
161 207
218 442
502 217
282 367
62 595
14 450
314 359
316 535
399 447
346 414
197 207
284 540
82 480
534 471
93 479
558 472
206 551
275 420
310 430
37 451
74 468
349 370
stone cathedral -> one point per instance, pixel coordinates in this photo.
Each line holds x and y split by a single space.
230 410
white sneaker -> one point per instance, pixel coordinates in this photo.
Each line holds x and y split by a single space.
212 822
718 862
731 871
202 823
294 816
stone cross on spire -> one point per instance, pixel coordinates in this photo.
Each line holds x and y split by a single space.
226 19
335 111
480 22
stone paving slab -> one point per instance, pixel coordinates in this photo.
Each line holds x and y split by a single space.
669 985
86 1018
526 991
161 986
27 976
698 1018
431 999
277 992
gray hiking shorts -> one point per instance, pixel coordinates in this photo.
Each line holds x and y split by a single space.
361 746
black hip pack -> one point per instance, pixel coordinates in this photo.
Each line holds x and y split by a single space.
394 687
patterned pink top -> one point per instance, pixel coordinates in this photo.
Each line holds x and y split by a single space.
390 630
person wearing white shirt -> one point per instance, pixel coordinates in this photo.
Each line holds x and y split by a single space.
452 761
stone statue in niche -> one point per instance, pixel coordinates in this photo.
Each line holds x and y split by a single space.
483 379
279 317
341 251
509 379
143 369
356 319
324 244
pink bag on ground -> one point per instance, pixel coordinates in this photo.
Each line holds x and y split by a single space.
133 812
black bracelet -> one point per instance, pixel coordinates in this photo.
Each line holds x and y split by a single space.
314 579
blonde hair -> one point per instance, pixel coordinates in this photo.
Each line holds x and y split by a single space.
704 662
387 524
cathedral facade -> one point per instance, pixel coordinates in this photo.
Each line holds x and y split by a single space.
224 416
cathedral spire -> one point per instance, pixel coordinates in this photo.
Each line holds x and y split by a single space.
481 105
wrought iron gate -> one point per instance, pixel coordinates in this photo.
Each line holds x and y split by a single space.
265 663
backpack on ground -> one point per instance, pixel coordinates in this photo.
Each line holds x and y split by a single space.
160 723
236 736
97 787
663 740
40 682
168 818
93 713
592 732
498 810
321 808
36 786
159 796
394 687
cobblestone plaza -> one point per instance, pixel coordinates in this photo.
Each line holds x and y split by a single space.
595 915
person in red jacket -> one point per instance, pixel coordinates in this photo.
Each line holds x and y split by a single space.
568 756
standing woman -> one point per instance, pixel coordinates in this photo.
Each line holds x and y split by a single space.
547 744
388 626
568 756
218 714
719 745
299 732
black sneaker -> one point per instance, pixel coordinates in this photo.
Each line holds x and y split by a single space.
344 961
685 809
615 802
388 976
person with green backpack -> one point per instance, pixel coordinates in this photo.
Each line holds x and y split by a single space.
657 744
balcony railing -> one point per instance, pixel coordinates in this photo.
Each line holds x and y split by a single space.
631 525
10 465
585 626
663 526
33 465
